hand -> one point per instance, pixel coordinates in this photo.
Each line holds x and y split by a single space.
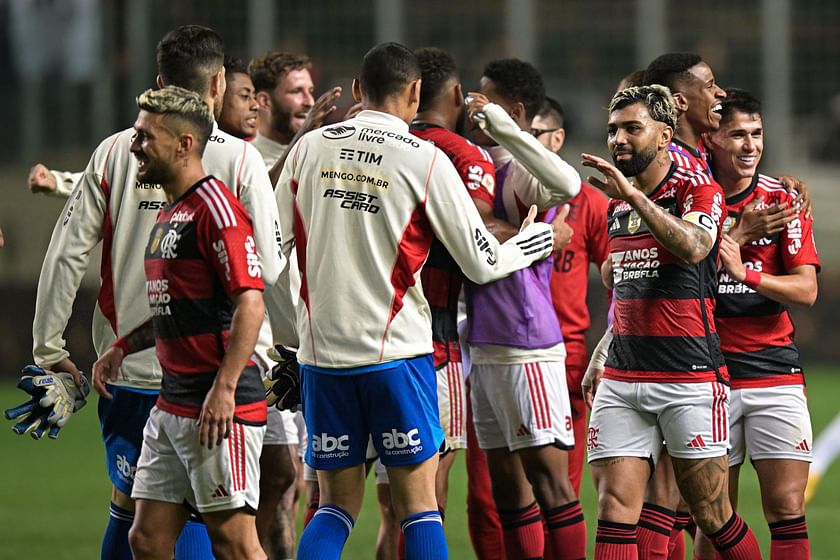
754 224
283 384
354 110
730 256
607 273
323 107
105 369
562 231
41 180
216 417
803 200
529 219
589 384
475 105
615 184
67 366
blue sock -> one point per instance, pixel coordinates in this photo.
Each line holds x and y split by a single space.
193 542
424 539
324 537
115 542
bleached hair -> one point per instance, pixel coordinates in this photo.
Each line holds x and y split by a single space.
657 99
180 106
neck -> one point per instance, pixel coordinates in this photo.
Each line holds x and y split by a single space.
733 184
686 134
276 136
436 117
391 106
183 180
654 173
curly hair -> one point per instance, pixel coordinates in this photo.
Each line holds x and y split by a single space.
268 68
437 67
518 81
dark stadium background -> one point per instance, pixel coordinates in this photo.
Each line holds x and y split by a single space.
61 93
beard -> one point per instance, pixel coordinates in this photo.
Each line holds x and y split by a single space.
281 121
638 162
156 173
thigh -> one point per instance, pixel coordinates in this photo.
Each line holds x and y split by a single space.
343 487
122 420
619 426
161 475
777 423
782 483
400 406
413 487
693 417
335 420
452 404
162 521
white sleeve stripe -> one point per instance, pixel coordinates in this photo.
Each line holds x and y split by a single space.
225 202
216 203
210 205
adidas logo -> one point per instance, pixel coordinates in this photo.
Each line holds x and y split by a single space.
803 446
697 442
220 492
523 431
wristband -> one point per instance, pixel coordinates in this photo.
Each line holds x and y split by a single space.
123 345
752 278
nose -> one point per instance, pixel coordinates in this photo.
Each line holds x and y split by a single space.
749 144
309 101
719 93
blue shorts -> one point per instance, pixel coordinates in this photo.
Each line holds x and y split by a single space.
395 403
122 421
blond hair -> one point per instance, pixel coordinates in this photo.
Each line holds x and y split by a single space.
185 106
657 99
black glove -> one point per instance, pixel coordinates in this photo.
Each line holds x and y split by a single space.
283 383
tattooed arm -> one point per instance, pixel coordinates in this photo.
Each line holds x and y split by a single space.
688 241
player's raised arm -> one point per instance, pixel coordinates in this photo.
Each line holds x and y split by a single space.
457 224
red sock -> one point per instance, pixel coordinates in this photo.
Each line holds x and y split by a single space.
482 518
789 540
566 532
523 531
735 541
577 454
654 531
312 506
676 544
615 541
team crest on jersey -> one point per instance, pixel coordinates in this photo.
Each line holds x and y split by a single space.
169 244
634 222
339 131
729 223
153 246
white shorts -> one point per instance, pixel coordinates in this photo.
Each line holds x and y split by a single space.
770 423
380 472
521 405
281 428
174 468
303 441
633 419
452 405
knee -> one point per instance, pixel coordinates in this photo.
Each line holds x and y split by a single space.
552 490
616 506
784 505
275 483
144 544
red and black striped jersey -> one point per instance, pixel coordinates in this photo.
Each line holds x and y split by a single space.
663 323
441 277
570 277
756 333
694 159
201 251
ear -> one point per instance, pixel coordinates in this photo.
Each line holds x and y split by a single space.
185 144
263 100
159 82
681 102
414 92
357 91
558 138
218 83
517 112
666 136
459 96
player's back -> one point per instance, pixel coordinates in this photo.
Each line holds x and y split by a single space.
362 235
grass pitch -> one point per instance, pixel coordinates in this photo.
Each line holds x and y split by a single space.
54 494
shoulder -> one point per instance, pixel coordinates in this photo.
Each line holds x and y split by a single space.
772 189
218 205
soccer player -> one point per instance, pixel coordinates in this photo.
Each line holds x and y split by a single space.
520 401
664 379
204 285
769 417
570 278
109 204
239 108
364 199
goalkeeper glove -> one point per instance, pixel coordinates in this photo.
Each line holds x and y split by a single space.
283 383
55 397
